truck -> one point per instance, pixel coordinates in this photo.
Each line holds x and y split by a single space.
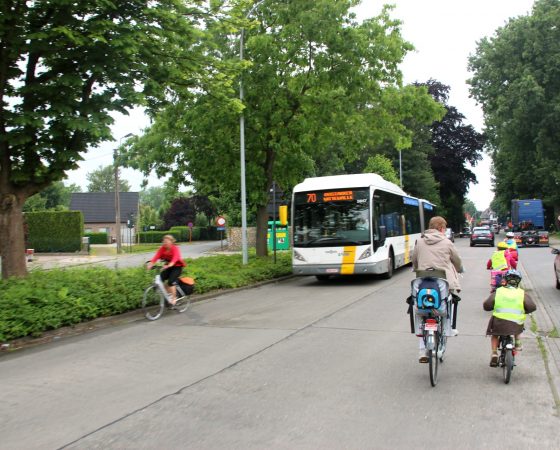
527 218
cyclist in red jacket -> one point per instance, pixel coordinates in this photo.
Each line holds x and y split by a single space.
173 267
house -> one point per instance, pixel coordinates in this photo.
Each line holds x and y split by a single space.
98 209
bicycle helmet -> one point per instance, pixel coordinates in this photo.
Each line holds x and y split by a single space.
513 277
509 234
502 245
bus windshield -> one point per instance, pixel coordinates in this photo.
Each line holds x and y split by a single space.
332 218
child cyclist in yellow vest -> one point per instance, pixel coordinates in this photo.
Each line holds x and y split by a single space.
508 304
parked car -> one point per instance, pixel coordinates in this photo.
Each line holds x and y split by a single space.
465 232
556 252
449 234
482 235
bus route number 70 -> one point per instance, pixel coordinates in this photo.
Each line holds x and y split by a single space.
311 198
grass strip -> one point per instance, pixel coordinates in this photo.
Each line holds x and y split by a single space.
47 300
544 354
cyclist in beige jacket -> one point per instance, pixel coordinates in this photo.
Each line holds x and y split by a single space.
434 251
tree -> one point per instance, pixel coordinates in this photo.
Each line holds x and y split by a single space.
456 145
202 204
55 196
64 67
316 82
382 165
149 217
515 79
103 180
180 213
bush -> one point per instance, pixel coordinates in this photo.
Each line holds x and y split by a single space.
180 233
48 300
97 238
55 231
155 237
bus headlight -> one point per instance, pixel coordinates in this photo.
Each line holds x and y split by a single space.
365 254
298 256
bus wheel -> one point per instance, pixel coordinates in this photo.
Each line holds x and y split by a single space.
390 266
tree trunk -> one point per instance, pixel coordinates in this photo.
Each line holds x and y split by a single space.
262 230
12 241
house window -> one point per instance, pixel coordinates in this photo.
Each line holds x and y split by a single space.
88 230
104 230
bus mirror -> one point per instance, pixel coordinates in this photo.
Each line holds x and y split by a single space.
382 233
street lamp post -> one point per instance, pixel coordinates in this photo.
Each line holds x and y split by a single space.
117 196
400 166
244 245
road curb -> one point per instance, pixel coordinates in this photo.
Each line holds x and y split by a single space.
102 323
550 347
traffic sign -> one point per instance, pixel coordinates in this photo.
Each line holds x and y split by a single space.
221 221
190 224
221 228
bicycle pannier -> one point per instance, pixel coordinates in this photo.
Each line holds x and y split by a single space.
187 285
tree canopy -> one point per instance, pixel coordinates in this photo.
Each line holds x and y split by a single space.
516 79
318 84
55 196
65 66
102 179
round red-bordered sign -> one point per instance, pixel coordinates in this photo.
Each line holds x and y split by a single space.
221 221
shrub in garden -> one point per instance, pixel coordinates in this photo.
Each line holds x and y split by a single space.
55 231
97 238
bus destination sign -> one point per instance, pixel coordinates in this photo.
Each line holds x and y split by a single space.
331 196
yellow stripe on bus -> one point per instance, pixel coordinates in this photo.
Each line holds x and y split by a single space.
406 249
348 261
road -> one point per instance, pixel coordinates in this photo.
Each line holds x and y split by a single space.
294 365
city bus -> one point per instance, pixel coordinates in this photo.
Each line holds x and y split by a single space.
354 224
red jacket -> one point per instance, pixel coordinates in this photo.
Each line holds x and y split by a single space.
171 256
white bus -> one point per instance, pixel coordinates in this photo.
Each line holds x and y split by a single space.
354 224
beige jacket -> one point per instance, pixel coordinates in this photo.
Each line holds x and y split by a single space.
434 250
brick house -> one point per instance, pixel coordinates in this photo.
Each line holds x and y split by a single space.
98 209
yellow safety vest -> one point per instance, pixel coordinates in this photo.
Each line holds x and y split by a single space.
509 304
513 244
499 261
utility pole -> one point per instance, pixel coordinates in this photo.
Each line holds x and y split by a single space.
117 195
117 203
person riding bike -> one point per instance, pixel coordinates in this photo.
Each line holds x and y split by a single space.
173 267
509 304
501 261
434 251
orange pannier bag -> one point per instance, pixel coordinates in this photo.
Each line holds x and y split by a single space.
187 280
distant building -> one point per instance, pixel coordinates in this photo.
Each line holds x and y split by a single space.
98 209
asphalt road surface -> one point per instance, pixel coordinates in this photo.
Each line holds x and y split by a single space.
294 365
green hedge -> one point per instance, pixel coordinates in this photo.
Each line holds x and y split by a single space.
97 238
55 231
154 237
48 300
181 234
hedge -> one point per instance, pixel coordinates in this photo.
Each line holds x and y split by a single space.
180 233
48 300
97 238
55 231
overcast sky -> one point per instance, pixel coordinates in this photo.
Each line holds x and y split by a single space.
444 33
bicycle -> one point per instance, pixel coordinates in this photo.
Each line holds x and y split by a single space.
430 305
506 359
156 297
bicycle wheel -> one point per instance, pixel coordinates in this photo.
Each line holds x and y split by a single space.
183 303
153 303
442 346
434 361
508 365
